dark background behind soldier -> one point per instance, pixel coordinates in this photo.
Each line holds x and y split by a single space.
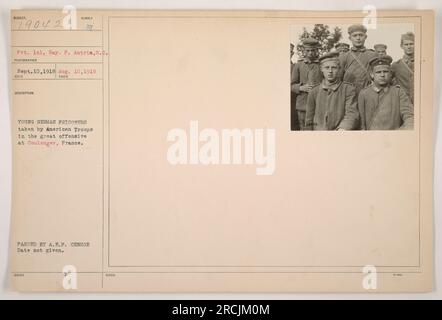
294 123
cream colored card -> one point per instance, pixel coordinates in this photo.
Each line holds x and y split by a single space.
153 152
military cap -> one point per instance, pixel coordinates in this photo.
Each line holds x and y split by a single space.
329 56
342 44
377 61
407 36
380 46
310 43
357 27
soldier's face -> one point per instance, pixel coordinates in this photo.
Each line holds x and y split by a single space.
310 53
330 70
381 75
381 52
408 47
357 38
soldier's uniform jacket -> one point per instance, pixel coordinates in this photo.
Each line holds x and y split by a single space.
354 64
403 73
304 72
386 108
332 107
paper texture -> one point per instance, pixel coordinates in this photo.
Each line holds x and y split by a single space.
127 176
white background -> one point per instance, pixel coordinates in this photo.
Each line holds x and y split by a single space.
5 136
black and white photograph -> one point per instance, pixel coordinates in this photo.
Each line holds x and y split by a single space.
352 77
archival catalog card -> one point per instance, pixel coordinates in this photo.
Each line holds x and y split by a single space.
222 151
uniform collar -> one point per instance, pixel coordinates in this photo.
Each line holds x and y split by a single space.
332 87
362 49
310 61
377 89
407 59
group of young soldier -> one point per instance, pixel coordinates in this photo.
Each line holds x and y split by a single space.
353 88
